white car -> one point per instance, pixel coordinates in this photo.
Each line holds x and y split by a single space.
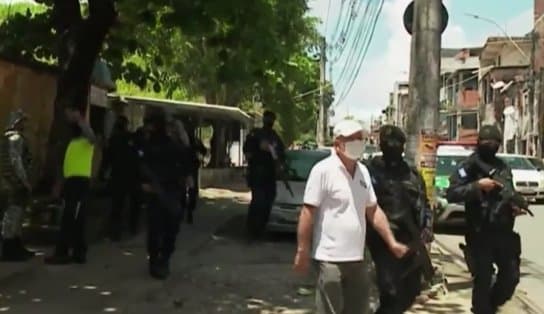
528 178
286 207
448 159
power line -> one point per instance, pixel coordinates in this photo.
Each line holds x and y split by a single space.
338 20
327 18
365 51
347 30
355 50
354 47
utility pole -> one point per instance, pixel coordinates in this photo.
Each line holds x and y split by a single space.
424 94
533 136
322 128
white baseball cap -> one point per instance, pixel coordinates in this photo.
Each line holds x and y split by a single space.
347 128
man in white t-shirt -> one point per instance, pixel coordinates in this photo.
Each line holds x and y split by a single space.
338 200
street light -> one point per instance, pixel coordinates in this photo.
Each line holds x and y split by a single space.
501 29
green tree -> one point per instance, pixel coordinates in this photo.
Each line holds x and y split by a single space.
223 51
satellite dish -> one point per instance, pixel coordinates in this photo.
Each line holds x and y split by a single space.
408 18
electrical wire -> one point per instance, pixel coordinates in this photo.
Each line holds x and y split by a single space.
327 18
366 44
340 43
354 48
338 21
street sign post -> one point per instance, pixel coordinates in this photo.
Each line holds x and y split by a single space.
408 18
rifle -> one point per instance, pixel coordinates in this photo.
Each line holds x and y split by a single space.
422 258
285 181
509 197
172 204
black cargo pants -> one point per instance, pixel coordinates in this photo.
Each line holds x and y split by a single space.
162 226
398 288
502 249
262 199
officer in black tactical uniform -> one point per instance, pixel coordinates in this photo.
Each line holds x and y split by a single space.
164 168
264 151
490 240
15 163
400 190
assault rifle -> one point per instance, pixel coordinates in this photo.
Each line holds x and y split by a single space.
508 196
172 204
417 246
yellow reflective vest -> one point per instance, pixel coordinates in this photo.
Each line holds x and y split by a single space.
78 159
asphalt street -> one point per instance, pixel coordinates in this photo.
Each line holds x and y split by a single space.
531 230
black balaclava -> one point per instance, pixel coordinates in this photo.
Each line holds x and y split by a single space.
392 141
268 119
492 137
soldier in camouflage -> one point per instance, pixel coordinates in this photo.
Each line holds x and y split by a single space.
15 161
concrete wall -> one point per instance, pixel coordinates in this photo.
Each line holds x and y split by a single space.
221 177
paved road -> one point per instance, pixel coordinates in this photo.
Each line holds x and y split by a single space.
532 233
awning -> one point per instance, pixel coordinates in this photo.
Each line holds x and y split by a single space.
193 109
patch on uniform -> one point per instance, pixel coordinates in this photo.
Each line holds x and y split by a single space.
362 183
462 172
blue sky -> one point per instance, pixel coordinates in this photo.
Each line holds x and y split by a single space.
387 60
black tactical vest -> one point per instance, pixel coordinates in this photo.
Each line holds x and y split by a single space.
399 193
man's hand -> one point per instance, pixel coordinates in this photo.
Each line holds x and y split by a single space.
487 184
190 182
147 188
28 186
516 211
399 250
301 264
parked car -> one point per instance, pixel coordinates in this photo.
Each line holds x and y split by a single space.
286 207
369 151
448 159
528 179
538 163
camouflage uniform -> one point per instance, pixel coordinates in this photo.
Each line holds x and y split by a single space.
15 161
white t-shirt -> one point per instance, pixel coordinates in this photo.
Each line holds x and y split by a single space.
340 223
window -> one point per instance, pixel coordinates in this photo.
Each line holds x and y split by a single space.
446 165
300 163
469 121
538 163
518 163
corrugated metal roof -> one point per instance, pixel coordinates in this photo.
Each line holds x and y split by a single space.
205 111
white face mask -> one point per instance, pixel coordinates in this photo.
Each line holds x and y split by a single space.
354 149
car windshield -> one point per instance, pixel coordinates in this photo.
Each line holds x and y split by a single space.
370 149
538 163
446 165
518 163
300 162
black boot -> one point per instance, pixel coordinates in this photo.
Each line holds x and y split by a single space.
22 250
12 251
159 268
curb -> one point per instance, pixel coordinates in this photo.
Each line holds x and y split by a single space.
529 306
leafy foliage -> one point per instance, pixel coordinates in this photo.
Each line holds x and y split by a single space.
226 52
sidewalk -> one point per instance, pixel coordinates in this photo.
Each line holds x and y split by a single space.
456 298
